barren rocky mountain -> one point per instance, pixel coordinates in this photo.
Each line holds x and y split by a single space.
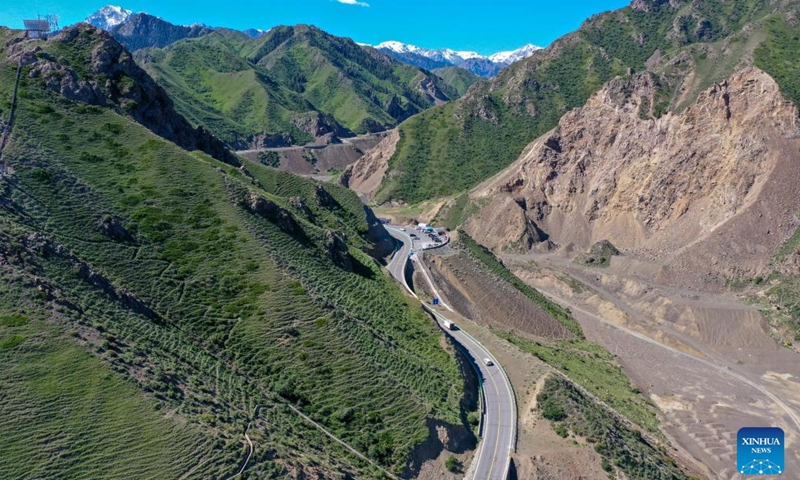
710 193
365 175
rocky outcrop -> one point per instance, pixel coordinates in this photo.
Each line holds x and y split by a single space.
273 212
652 6
384 244
323 128
114 80
710 191
146 31
337 251
113 228
429 88
366 174
324 199
29 247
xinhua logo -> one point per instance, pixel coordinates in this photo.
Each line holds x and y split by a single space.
760 451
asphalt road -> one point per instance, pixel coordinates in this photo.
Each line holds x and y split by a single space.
397 266
492 460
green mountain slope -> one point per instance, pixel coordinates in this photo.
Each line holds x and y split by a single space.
153 297
240 102
455 146
290 86
458 78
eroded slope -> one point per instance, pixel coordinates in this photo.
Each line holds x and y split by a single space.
707 192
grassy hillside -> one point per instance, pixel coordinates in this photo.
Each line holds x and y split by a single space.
483 132
374 87
213 86
290 86
458 78
184 292
88 418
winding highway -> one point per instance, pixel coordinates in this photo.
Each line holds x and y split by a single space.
397 266
492 460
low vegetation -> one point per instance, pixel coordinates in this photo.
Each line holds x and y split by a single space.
454 214
784 314
70 415
269 159
586 363
458 78
778 55
599 255
623 448
453 464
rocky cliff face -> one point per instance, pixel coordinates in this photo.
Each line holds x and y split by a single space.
111 78
708 192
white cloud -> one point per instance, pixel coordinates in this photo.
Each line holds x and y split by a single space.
354 2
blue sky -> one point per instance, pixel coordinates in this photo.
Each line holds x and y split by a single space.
483 26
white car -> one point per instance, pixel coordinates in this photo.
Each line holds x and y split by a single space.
488 361
402 229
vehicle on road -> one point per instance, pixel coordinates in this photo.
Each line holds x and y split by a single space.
402 229
488 361
449 325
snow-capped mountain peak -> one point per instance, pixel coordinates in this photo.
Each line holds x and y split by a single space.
514 55
445 54
109 16
473 61
468 55
397 47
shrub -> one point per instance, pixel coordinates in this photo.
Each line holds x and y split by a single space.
554 412
453 464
